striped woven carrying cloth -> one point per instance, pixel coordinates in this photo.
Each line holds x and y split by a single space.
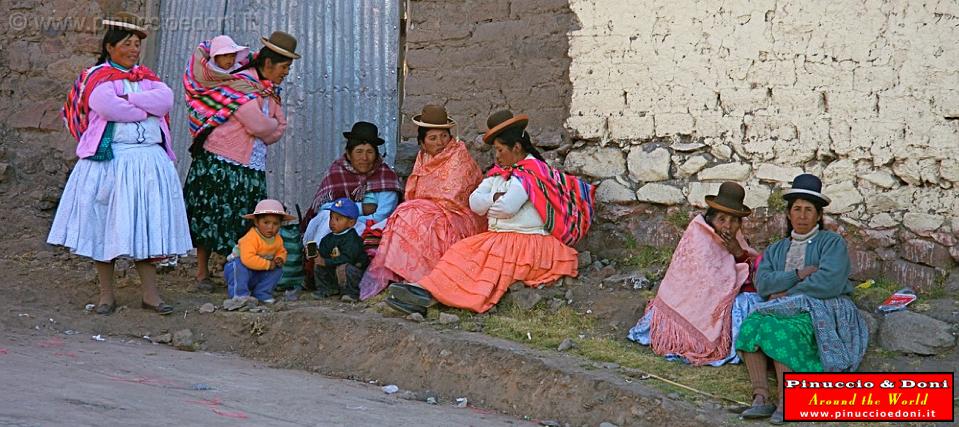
564 201
211 96
77 108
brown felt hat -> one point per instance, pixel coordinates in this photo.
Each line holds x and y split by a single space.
282 43
502 120
730 200
126 21
433 117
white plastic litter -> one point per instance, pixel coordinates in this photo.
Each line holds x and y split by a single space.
98 338
390 389
461 402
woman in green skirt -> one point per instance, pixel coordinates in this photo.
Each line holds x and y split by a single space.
809 323
228 174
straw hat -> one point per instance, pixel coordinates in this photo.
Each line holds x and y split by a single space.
128 22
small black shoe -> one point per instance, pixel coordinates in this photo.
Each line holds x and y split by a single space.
405 308
412 294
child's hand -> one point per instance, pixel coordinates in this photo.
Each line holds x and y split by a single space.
319 262
278 262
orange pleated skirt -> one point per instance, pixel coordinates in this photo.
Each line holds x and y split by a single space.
476 271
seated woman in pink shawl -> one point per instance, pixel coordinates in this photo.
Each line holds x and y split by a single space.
435 213
707 290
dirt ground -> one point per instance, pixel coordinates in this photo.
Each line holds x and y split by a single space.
75 380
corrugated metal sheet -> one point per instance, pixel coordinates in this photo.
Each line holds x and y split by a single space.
347 73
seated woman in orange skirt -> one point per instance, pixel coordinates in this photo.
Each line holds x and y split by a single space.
535 214
436 212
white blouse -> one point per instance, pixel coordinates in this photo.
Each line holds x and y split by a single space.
512 212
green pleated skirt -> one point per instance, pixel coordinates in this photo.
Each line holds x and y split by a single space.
789 340
216 194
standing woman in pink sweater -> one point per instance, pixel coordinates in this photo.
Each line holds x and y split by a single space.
123 197
228 174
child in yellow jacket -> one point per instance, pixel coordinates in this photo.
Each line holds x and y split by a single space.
256 264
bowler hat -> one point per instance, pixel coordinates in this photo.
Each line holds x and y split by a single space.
433 117
282 43
808 187
730 200
501 121
365 132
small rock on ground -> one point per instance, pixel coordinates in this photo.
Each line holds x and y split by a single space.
207 308
550 423
607 424
163 338
416 317
566 345
585 258
183 340
447 318
909 332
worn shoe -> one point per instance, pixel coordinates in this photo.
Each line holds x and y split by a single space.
411 294
777 418
291 295
106 309
405 308
162 308
758 411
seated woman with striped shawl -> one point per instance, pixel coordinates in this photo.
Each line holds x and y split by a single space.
707 291
809 323
435 212
535 213
360 175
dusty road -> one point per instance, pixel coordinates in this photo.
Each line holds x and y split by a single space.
75 380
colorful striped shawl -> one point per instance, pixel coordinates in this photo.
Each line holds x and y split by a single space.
565 202
212 97
77 107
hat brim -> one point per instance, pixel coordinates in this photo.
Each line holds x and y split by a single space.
449 124
797 193
520 119
739 211
133 28
284 215
331 209
277 49
377 142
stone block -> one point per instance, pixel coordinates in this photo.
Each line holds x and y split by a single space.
674 124
648 166
926 252
921 223
875 239
776 173
914 333
697 192
919 277
845 197
611 191
864 265
692 165
661 194
631 127
738 172
595 161
881 179
883 220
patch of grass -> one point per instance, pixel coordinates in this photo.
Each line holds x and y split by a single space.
775 202
647 256
542 329
871 297
679 218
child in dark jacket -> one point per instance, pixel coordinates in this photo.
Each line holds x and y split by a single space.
341 259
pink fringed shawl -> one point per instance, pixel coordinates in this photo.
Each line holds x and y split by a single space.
693 307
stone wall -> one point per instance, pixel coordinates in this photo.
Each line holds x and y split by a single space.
672 97
478 56
43 47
